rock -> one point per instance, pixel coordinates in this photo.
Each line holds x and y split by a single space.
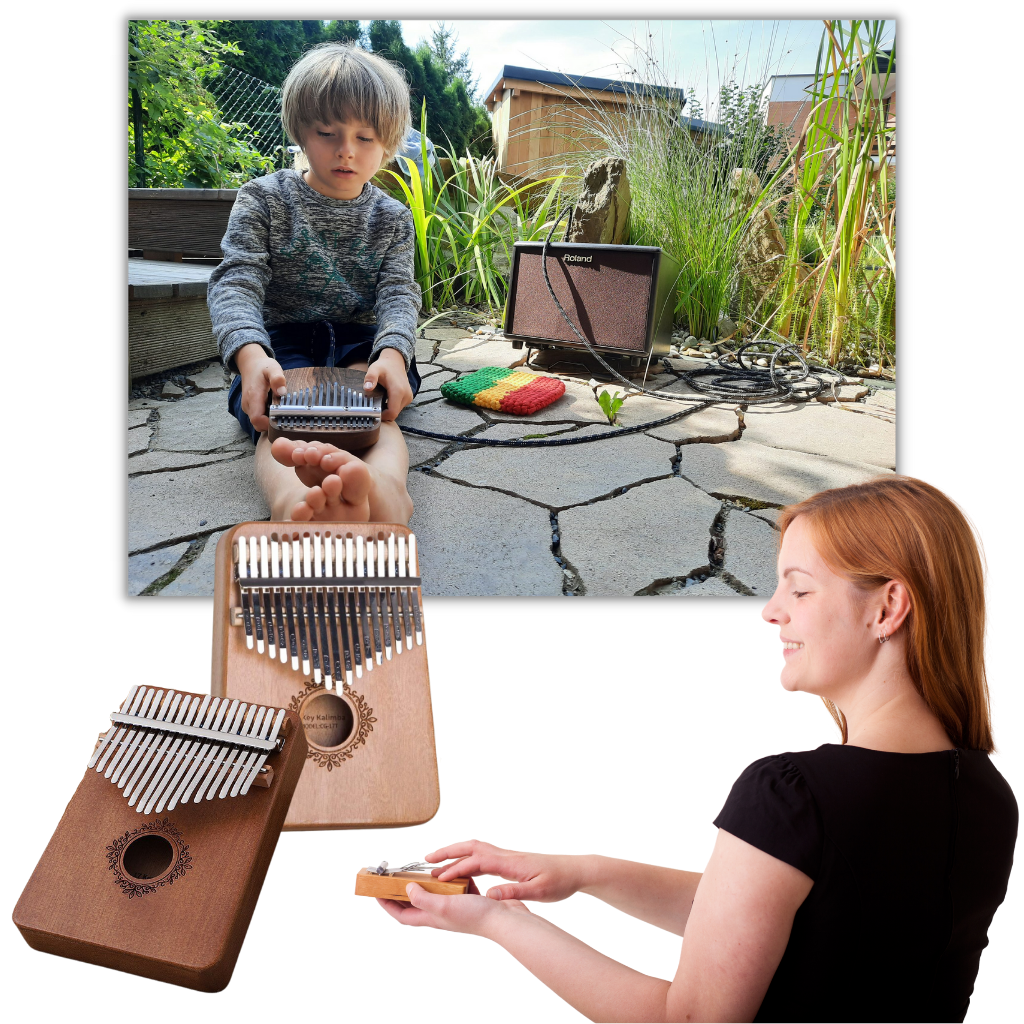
441 416
744 469
868 371
845 393
762 250
212 378
602 210
472 353
714 425
145 568
138 440
761 361
726 328
197 579
199 424
605 541
171 390
137 417
479 543
166 507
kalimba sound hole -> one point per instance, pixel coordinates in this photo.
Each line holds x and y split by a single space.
328 720
147 857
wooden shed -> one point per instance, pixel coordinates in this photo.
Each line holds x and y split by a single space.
540 120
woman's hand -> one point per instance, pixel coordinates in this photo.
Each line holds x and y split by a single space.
536 876
471 913
388 370
261 374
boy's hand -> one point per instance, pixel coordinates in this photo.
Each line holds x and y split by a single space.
388 370
540 877
260 374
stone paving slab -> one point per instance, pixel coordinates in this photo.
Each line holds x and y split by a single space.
195 424
476 351
813 428
510 430
432 384
145 403
158 462
422 449
166 507
558 477
750 552
213 378
711 587
144 569
137 417
713 425
138 439
442 416
654 531
743 468
197 579
475 543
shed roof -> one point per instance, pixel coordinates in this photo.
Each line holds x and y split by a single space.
583 82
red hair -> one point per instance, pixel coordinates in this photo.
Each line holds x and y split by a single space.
899 528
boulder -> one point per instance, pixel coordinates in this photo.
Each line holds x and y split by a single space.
602 210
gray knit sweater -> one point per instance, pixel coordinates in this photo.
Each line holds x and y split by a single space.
292 255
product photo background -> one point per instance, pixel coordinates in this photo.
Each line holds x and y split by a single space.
581 735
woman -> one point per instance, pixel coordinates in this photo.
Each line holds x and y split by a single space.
851 882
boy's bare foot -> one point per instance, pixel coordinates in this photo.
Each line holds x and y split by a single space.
339 482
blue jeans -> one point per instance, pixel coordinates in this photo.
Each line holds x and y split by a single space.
324 343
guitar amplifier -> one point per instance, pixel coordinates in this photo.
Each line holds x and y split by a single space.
620 297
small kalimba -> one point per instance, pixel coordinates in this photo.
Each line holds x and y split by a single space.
326 619
330 404
390 885
158 861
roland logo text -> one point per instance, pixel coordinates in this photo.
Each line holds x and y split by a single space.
569 258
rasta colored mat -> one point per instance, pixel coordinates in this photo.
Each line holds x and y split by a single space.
504 390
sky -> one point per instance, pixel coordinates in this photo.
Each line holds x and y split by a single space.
699 53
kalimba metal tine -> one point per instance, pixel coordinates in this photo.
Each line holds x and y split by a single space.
289 604
123 738
349 596
364 621
150 696
254 574
251 728
314 642
268 601
318 603
155 755
228 761
218 710
384 601
406 612
396 615
205 714
371 572
275 573
170 761
414 570
332 615
105 742
299 608
153 751
243 573
216 755
146 740
254 771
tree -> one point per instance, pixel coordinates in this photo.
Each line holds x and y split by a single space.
176 135
267 49
442 46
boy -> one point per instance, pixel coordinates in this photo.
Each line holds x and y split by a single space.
307 257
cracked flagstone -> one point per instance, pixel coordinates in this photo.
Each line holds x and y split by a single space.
195 424
145 568
197 579
751 549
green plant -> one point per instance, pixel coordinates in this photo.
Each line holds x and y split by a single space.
176 135
610 405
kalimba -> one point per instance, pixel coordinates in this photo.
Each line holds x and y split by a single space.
158 861
390 885
326 619
330 404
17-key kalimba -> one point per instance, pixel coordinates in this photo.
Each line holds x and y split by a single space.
327 620
158 861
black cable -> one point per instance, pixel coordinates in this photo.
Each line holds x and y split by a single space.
747 384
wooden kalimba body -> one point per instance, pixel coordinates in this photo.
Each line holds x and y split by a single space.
383 884
158 861
330 404
326 619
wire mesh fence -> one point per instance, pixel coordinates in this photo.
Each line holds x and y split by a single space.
255 106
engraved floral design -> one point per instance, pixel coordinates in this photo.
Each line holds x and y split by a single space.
364 722
181 862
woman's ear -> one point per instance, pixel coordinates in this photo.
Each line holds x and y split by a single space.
894 607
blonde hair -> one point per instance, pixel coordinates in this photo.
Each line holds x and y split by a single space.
339 82
899 528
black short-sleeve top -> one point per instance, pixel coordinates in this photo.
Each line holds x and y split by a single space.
910 856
